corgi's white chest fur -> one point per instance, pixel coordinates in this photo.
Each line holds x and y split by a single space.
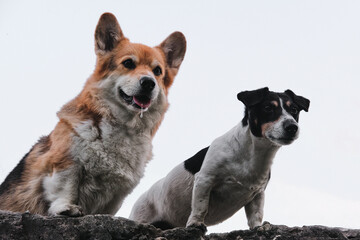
109 148
112 161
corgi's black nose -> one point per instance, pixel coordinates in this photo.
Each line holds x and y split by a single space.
290 127
147 84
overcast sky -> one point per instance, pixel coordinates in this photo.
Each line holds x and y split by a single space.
311 47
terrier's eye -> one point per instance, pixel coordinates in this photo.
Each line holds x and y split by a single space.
157 71
293 110
129 63
268 108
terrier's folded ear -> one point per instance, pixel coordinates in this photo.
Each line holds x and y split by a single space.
251 98
302 102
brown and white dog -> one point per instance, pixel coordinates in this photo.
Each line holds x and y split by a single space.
98 150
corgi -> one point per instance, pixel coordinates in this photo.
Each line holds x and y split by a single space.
98 151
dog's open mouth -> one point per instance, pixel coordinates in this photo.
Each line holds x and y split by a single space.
138 101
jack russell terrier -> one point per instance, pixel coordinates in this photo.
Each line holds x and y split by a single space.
231 173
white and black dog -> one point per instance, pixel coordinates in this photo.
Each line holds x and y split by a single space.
232 173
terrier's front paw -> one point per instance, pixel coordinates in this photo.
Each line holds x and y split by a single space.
199 225
266 226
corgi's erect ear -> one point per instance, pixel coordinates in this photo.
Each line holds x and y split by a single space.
174 48
107 34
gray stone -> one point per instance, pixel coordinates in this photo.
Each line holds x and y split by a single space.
29 226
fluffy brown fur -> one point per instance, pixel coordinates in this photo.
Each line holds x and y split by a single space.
57 158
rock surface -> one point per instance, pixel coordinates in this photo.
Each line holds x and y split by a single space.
28 226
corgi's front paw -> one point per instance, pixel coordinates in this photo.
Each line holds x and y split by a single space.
70 210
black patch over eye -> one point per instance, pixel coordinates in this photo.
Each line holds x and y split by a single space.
293 110
157 71
129 63
268 108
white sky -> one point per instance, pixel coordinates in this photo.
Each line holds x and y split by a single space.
309 46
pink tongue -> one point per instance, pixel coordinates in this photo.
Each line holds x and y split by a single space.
141 104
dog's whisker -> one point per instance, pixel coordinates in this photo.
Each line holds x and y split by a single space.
239 183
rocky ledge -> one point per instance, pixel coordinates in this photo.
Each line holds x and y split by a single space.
28 226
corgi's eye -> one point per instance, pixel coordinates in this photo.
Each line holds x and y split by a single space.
157 71
129 63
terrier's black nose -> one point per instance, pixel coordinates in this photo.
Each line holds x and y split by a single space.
290 127
147 84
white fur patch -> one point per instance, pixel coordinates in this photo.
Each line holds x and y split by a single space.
113 165
235 170
60 191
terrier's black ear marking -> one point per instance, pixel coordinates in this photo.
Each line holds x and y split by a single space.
107 34
251 98
302 102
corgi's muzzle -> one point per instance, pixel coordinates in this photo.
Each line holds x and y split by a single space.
142 99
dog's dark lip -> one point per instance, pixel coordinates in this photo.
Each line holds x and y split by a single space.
138 101
128 99
284 140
